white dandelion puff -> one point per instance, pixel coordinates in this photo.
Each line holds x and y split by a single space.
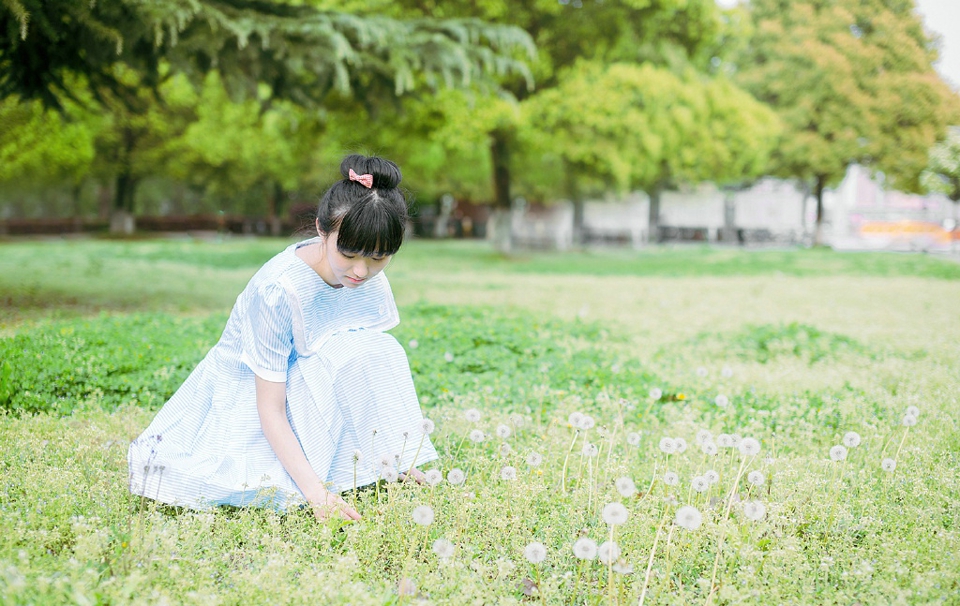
384 461
389 474
587 422
724 440
671 479
414 344
888 465
712 476
913 410
426 426
614 514
735 438
754 510
357 456
608 552
749 447
703 436
448 356
456 476
505 450
534 459
622 567
590 450
656 393
681 444
625 487
700 484
476 435
423 515
851 439
726 372
722 401
702 371
575 419
503 431
585 548
756 478
838 453
535 552
433 476
668 445
709 448
508 473
517 420
689 517
472 415
633 438
443 548
909 420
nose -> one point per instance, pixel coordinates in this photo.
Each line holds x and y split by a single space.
360 269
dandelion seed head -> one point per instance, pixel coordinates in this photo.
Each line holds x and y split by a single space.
909 420
888 465
503 431
614 514
423 515
590 450
838 453
433 476
722 401
736 439
535 552
754 510
472 415
575 419
851 439
608 552
700 484
749 447
913 410
517 420
702 371
756 478
633 438
656 393
681 444
587 422
476 435
389 474
448 356
385 460
534 459
585 548
456 476
357 456
689 517
505 450
622 567
426 426
724 440
443 548
625 487
703 436
712 476
726 372
413 344
709 448
671 479
508 473
668 445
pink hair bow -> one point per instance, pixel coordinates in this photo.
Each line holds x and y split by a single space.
364 180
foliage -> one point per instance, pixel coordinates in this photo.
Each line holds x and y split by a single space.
765 343
943 169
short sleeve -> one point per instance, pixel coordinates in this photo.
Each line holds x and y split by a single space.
267 333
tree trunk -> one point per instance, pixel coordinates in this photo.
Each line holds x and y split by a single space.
122 220
818 228
77 212
573 191
729 231
653 224
502 232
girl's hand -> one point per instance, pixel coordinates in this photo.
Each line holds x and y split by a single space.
332 504
416 475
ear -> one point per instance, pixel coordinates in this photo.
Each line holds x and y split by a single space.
317 223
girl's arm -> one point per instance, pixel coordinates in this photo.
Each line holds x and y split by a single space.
272 406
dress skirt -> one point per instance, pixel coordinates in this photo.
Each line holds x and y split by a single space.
354 397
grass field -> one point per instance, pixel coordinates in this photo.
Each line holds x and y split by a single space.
794 348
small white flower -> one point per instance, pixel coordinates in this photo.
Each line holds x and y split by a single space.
357 456
585 548
755 510
913 411
709 449
433 476
443 548
726 372
625 487
575 419
456 476
668 446
756 478
909 420
608 552
448 356
704 436
426 426
749 447
701 371
414 344
851 439
590 450
534 459
535 552
712 476
722 401
681 444
656 393
503 431
724 440
614 514
476 435
888 464
689 517
838 453
671 479
389 474
587 422
423 515
472 415
508 473
700 484
633 438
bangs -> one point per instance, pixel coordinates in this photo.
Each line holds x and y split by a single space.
371 230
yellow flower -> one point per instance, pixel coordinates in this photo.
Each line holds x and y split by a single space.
681 396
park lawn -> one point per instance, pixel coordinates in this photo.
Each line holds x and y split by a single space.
805 346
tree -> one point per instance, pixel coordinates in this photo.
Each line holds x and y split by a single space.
852 81
943 169
625 126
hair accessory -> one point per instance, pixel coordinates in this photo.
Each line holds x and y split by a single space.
364 180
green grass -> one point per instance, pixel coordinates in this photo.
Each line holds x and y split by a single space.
805 345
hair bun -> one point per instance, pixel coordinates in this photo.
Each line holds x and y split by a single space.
386 174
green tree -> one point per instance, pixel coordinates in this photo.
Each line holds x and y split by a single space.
624 126
942 174
852 81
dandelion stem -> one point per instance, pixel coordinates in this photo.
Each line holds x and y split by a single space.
563 476
610 568
417 454
355 484
726 516
459 446
653 550
896 457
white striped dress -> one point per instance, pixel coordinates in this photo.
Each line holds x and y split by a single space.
348 389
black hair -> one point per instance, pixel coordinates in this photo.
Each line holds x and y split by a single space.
368 221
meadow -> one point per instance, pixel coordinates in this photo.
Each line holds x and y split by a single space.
685 425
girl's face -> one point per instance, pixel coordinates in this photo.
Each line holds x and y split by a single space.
349 269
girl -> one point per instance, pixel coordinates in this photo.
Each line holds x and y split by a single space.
304 395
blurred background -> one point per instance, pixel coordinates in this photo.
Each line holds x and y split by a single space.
533 124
